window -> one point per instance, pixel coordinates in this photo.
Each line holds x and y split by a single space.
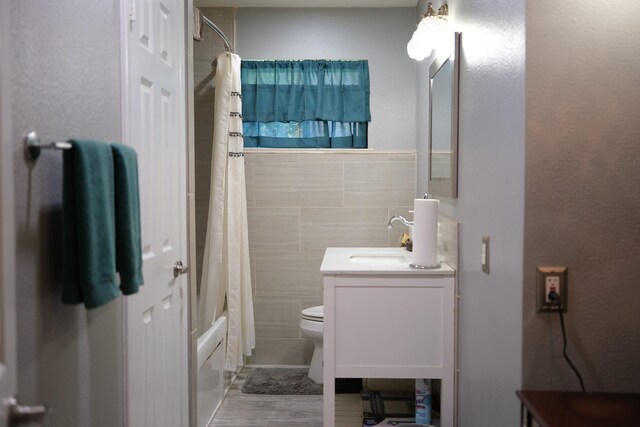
305 104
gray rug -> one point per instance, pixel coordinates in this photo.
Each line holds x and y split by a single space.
280 381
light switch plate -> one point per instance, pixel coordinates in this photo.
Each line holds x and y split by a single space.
484 258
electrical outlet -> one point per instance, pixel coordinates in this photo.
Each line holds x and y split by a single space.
551 284
552 280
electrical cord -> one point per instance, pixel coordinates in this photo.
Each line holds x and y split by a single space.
553 296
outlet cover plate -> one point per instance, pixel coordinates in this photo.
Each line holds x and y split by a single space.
556 275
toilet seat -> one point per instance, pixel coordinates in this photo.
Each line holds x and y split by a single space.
314 314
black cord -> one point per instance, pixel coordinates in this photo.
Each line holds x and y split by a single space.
556 298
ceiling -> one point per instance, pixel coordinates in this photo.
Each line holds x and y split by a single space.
305 3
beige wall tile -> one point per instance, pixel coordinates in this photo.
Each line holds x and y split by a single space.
324 227
202 48
402 157
201 230
379 184
288 273
252 265
203 134
357 157
277 316
204 82
204 112
271 157
448 230
282 184
250 179
343 157
274 229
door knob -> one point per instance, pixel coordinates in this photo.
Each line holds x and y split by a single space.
179 268
20 415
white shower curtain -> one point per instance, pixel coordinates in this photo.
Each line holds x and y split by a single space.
225 269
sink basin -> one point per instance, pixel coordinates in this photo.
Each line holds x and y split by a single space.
379 258
374 260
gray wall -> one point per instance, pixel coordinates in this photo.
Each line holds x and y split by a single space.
378 35
66 83
582 204
491 202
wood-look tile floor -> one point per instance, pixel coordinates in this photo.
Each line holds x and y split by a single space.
248 410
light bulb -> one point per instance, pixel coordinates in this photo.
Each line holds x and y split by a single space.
429 35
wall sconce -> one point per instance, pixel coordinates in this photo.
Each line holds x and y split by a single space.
429 33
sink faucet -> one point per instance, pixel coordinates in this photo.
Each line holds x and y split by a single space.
399 218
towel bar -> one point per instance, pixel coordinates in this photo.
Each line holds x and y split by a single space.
32 145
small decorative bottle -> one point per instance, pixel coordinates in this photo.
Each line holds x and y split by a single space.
423 402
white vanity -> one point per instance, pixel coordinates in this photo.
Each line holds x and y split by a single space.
384 319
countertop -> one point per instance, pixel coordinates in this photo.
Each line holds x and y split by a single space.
338 261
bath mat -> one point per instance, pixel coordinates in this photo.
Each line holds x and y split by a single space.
280 381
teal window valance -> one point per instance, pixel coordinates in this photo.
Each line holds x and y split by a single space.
305 104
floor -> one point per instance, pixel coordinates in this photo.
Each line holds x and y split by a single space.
247 410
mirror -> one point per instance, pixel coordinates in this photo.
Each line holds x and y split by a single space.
443 123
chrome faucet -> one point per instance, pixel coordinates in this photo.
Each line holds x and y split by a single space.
399 218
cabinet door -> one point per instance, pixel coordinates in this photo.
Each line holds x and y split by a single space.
395 327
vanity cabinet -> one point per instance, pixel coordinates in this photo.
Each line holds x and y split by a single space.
387 321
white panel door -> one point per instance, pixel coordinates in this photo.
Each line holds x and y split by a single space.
7 242
154 124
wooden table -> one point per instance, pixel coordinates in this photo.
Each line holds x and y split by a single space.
574 409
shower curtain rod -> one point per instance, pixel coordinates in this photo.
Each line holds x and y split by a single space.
214 27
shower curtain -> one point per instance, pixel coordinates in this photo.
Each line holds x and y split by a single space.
225 269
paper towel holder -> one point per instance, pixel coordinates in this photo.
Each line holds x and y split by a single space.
425 267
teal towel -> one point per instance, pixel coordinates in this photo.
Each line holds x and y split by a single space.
89 236
128 235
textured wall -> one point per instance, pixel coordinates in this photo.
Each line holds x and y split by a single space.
583 99
491 202
66 83
379 35
299 204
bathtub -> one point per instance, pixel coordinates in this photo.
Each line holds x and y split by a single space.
213 382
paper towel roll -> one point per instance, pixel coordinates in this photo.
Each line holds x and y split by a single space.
425 233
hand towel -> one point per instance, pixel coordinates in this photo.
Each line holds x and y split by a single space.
89 237
127 205
197 24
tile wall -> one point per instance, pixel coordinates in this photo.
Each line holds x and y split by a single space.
298 205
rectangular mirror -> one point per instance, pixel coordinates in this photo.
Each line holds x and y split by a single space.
444 76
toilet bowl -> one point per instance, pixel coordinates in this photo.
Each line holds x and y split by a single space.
312 326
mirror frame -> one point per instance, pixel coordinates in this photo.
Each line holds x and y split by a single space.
446 187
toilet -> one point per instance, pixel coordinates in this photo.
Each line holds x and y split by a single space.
312 326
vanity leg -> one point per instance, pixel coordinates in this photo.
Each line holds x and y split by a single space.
446 402
328 371
448 392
